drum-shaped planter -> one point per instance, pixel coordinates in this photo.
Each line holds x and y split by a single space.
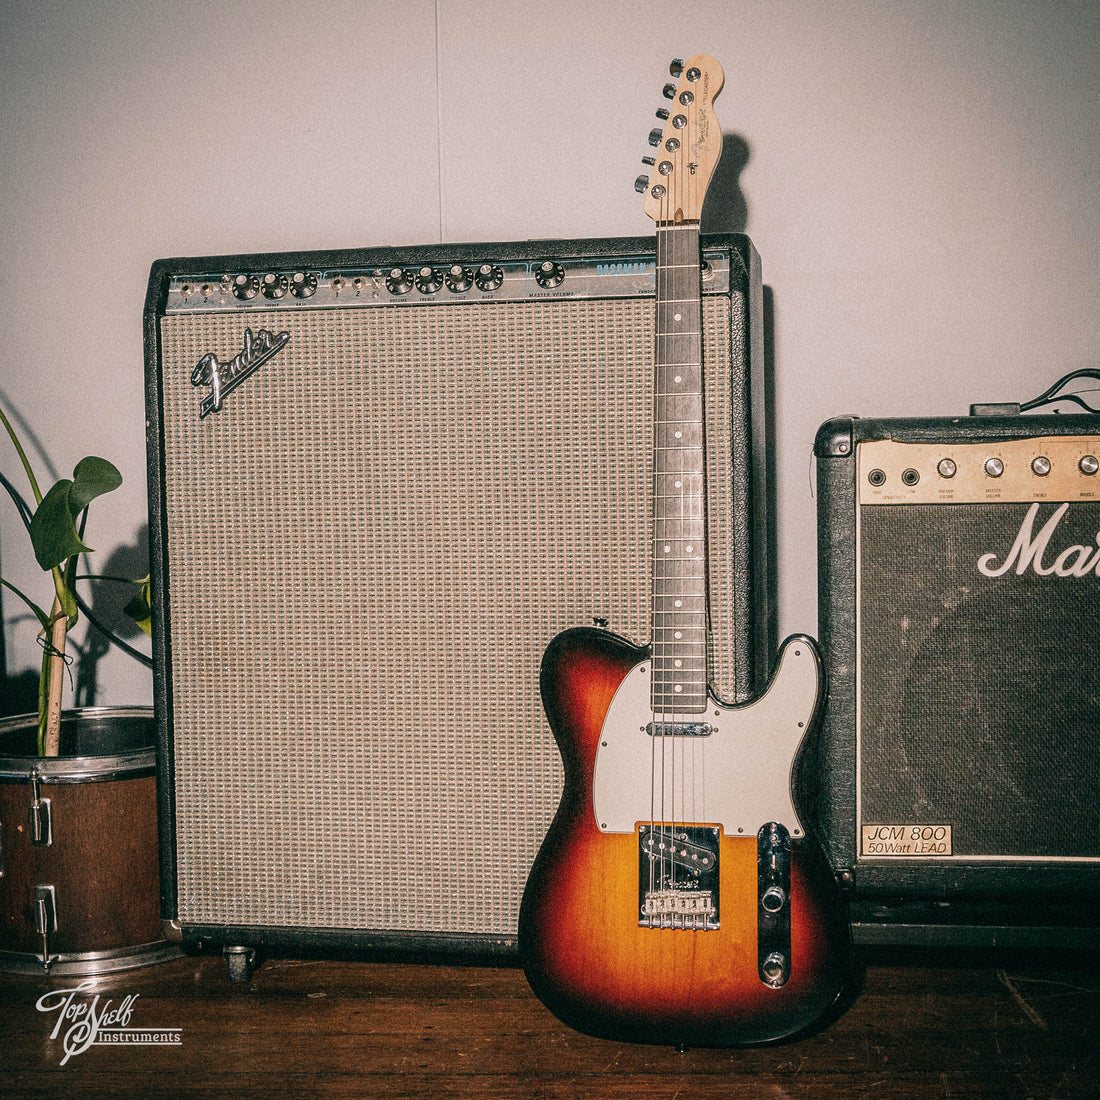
79 864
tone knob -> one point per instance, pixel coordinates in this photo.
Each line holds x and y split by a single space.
1040 466
549 274
399 281
459 278
429 280
994 467
303 284
489 277
274 286
1088 465
246 287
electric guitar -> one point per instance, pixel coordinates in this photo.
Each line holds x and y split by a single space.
676 897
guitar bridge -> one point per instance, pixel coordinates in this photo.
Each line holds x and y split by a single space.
678 877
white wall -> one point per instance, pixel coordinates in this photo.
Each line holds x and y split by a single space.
921 184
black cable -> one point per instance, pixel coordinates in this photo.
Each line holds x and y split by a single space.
1048 397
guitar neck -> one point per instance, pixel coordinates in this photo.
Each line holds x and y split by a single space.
679 612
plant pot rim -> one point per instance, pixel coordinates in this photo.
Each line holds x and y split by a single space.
79 766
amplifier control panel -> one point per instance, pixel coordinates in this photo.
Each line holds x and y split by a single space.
432 282
1062 468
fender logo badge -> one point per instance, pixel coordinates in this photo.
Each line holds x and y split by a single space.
224 378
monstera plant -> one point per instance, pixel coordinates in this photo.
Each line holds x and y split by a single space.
56 529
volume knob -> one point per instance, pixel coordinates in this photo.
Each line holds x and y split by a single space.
549 274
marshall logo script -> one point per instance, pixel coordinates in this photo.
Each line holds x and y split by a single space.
1030 551
224 378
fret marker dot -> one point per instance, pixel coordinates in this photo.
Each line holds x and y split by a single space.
677 317
678 664
678 687
677 634
689 549
668 549
678 484
679 603
679 378
679 435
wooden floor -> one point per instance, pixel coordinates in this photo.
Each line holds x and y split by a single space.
972 1028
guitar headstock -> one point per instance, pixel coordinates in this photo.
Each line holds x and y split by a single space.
690 145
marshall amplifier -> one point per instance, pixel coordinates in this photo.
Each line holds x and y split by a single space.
959 759
380 482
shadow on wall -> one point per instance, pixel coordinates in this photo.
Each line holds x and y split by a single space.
724 208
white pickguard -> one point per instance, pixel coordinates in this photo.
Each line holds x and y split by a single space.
738 776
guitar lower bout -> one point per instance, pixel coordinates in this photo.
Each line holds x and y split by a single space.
700 932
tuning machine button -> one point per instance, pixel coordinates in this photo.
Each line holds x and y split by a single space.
489 277
246 287
459 278
549 274
429 280
399 281
669 91
676 68
641 183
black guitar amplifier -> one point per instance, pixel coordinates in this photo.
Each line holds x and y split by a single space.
380 482
959 759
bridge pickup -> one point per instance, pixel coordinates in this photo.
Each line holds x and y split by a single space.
679 729
678 877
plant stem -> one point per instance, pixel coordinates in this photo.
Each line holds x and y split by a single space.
51 734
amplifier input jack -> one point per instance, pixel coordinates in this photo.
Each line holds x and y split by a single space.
877 478
910 477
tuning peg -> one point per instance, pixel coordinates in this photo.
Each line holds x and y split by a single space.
676 68
641 183
654 137
670 91
662 114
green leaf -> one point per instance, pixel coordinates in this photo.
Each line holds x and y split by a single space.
53 528
139 608
41 615
53 531
92 478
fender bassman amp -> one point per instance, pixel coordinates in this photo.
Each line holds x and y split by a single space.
959 575
380 482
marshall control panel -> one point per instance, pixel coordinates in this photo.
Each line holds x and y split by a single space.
487 279
1062 468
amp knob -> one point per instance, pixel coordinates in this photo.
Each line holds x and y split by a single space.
274 286
246 287
399 281
489 277
459 278
303 284
429 280
549 274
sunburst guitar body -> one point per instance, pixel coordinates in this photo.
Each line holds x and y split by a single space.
677 898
